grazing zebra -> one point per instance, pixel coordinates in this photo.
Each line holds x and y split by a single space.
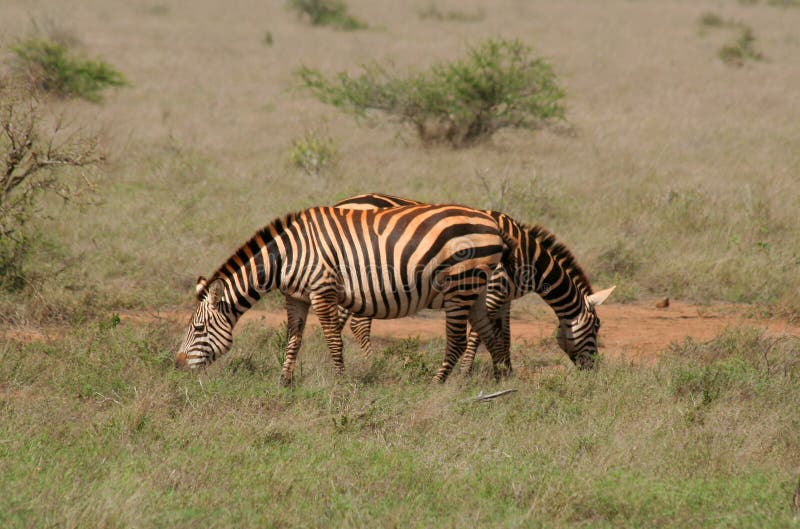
542 265
385 263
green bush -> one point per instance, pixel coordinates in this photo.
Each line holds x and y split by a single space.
327 13
499 84
737 53
54 68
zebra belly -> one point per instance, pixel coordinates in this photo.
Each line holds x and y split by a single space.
388 304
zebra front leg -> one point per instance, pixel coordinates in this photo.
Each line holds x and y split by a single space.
296 314
456 326
327 310
361 328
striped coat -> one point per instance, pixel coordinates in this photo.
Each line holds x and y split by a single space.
385 263
541 264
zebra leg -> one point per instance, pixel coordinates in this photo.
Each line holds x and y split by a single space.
327 310
505 323
344 315
500 317
296 313
473 342
456 325
491 333
361 330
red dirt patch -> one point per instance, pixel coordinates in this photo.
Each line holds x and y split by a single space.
635 332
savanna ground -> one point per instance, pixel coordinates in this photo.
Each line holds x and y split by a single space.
675 176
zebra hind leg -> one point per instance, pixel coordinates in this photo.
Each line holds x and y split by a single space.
344 315
456 326
327 311
296 313
361 328
473 342
492 334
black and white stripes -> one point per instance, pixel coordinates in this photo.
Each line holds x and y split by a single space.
385 263
541 264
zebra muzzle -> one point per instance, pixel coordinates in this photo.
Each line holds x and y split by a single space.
180 360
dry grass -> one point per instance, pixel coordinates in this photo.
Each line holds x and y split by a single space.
688 166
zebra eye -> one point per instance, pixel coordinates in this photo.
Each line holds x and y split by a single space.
199 327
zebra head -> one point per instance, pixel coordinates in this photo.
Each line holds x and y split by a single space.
210 333
578 337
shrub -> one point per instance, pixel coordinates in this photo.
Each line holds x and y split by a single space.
52 67
432 12
327 13
35 161
711 20
313 153
735 54
499 84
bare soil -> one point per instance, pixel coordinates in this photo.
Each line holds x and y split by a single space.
635 332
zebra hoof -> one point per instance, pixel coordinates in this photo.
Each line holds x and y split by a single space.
502 372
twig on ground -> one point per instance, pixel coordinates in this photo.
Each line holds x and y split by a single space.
491 396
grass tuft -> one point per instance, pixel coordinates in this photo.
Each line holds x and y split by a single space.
327 13
741 50
432 12
711 20
314 153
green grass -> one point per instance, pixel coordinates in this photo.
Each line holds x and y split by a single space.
99 430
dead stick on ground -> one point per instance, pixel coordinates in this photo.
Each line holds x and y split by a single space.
491 396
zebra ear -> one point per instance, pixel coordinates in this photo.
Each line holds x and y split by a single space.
215 291
599 297
201 288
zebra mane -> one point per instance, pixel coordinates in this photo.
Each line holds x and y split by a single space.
547 240
265 235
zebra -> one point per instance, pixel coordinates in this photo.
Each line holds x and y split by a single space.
542 265
385 263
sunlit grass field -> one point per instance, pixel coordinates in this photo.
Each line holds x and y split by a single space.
99 430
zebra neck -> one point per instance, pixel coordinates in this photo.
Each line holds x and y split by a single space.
248 274
559 286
